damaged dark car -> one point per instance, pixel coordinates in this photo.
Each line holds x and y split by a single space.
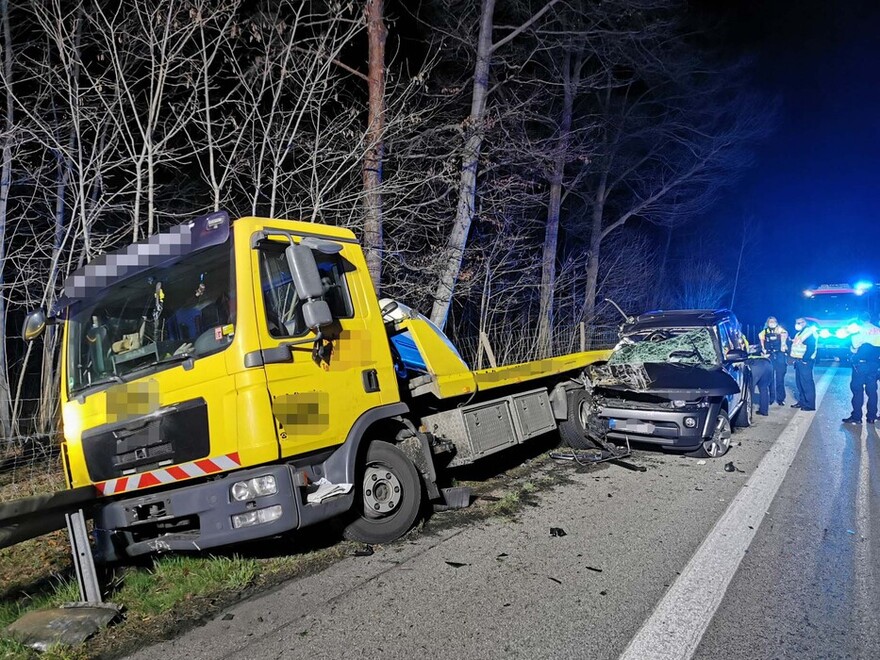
678 380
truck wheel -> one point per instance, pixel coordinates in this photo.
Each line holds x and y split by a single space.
574 429
743 418
389 496
717 445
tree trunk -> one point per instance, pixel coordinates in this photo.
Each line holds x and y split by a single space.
657 298
593 256
467 187
570 79
5 187
372 169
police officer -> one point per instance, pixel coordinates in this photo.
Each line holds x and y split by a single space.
774 344
865 370
761 370
803 353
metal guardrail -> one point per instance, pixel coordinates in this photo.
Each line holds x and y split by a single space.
29 517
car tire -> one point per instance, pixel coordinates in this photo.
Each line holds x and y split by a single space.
573 430
743 418
388 498
718 445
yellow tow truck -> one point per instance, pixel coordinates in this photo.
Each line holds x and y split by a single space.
228 381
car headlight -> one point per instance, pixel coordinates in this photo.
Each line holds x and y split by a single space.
252 488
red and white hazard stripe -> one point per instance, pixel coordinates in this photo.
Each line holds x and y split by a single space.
169 475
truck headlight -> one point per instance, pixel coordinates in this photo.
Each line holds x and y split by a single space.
257 517
679 403
252 488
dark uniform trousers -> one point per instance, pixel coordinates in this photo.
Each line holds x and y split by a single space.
762 378
864 381
806 388
777 383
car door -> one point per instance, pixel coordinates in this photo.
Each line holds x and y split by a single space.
731 339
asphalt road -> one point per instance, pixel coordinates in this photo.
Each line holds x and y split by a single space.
775 560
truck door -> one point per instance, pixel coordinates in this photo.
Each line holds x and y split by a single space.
316 399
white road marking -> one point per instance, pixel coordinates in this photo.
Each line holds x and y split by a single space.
677 625
863 572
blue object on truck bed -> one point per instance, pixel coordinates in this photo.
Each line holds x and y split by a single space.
408 352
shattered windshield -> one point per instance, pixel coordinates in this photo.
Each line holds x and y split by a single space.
163 316
694 347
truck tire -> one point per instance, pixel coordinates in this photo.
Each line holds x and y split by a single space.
573 430
719 442
388 498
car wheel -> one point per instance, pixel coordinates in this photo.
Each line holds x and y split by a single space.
743 417
389 496
717 445
574 429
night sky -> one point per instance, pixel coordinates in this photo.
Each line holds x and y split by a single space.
815 188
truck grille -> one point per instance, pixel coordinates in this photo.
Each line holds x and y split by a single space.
173 434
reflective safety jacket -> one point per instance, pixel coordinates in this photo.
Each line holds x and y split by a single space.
804 345
868 334
774 340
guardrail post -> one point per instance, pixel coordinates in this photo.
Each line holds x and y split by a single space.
83 561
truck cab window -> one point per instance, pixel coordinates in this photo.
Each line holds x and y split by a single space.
284 316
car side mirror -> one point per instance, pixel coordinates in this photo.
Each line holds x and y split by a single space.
35 324
736 355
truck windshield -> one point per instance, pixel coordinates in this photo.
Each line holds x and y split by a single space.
843 306
153 320
695 347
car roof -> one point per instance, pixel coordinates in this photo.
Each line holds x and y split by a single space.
679 318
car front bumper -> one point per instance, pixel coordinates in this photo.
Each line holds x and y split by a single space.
667 428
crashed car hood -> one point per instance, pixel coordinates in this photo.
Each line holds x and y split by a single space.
676 381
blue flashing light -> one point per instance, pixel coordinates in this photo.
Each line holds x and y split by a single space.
808 293
862 286
824 333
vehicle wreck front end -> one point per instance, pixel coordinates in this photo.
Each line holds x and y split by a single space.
666 393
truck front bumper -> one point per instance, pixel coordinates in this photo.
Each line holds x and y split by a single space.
203 514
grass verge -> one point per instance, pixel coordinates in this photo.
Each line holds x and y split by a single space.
174 593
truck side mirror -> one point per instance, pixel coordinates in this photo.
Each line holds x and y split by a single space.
309 287
304 271
316 314
35 323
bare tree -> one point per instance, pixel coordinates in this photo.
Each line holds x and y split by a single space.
470 159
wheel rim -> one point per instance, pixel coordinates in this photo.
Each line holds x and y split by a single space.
718 444
583 414
382 491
